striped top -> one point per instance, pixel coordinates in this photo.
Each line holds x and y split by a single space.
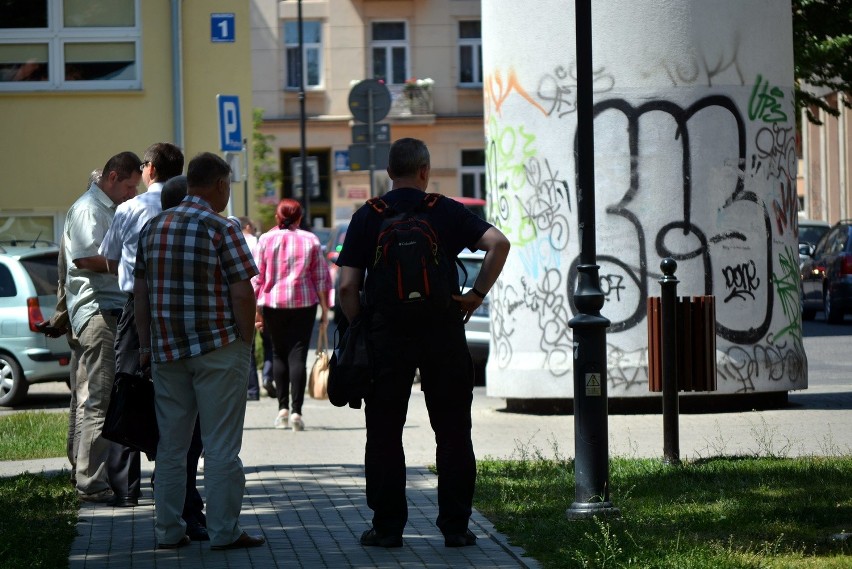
293 271
188 256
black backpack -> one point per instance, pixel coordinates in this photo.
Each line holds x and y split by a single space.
411 274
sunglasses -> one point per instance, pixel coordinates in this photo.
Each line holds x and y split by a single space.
143 164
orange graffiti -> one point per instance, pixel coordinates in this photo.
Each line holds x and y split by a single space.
496 91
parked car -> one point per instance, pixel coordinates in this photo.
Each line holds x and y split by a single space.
478 328
826 275
28 283
810 232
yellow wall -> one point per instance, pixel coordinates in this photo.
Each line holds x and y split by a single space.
51 141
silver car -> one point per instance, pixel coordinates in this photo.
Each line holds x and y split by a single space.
478 328
28 283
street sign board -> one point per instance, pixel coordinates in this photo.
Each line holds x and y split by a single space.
230 132
365 92
361 133
313 176
222 29
341 160
359 156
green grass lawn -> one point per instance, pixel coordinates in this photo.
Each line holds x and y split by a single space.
711 513
39 512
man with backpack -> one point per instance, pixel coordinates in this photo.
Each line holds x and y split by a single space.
407 243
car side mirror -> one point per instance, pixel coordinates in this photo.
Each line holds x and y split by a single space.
805 249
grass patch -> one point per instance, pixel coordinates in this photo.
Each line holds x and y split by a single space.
29 435
726 512
39 521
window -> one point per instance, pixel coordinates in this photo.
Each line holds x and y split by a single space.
69 44
389 50
312 54
473 173
470 52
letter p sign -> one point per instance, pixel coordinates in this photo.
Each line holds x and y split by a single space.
230 133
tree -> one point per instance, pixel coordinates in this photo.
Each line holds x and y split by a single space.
822 53
267 173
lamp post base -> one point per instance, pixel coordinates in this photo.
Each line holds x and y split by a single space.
586 510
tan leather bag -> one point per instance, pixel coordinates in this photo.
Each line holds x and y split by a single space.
318 381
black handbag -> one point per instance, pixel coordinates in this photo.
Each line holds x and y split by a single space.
130 418
350 374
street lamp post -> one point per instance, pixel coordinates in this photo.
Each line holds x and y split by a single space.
591 433
306 196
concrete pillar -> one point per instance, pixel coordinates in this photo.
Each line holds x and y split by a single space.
695 159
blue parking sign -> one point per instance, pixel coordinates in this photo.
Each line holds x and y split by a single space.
222 28
230 132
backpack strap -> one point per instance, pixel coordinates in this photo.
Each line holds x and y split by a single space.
379 205
429 200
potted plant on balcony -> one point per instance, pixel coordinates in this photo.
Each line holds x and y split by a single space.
418 92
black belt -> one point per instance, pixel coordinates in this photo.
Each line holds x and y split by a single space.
114 312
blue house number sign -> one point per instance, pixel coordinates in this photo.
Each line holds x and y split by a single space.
222 28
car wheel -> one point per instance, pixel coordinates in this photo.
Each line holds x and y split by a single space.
832 313
13 385
807 313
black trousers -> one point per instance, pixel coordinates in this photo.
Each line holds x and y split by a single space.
440 350
124 466
290 331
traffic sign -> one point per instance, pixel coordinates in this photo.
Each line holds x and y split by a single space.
313 176
222 28
365 92
361 133
230 132
359 156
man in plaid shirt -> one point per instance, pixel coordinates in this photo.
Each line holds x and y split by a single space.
194 307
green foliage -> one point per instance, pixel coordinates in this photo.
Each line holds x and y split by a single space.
710 513
822 51
33 435
267 174
39 521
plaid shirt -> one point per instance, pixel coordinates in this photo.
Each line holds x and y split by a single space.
293 271
188 256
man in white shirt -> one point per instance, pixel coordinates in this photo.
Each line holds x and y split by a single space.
160 162
94 302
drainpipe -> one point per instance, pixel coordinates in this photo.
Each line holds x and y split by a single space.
806 166
177 74
841 164
823 171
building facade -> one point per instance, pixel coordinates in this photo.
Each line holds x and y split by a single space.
83 80
826 162
427 52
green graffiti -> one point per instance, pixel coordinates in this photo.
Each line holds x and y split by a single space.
765 102
787 290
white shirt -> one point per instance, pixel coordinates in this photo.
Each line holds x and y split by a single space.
123 235
86 292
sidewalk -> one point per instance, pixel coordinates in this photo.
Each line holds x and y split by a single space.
305 491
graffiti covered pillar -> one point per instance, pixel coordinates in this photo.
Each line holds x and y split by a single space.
695 160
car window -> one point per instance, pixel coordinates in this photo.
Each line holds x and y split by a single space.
823 244
472 267
811 234
7 283
43 272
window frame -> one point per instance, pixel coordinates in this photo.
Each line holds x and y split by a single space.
475 44
388 46
478 172
306 47
56 36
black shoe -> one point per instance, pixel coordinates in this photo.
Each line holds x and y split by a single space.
269 386
245 540
460 539
182 542
372 538
197 532
125 502
253 397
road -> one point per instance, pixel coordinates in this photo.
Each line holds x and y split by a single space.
827 347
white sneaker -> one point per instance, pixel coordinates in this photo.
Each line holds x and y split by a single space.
282 419
297 423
